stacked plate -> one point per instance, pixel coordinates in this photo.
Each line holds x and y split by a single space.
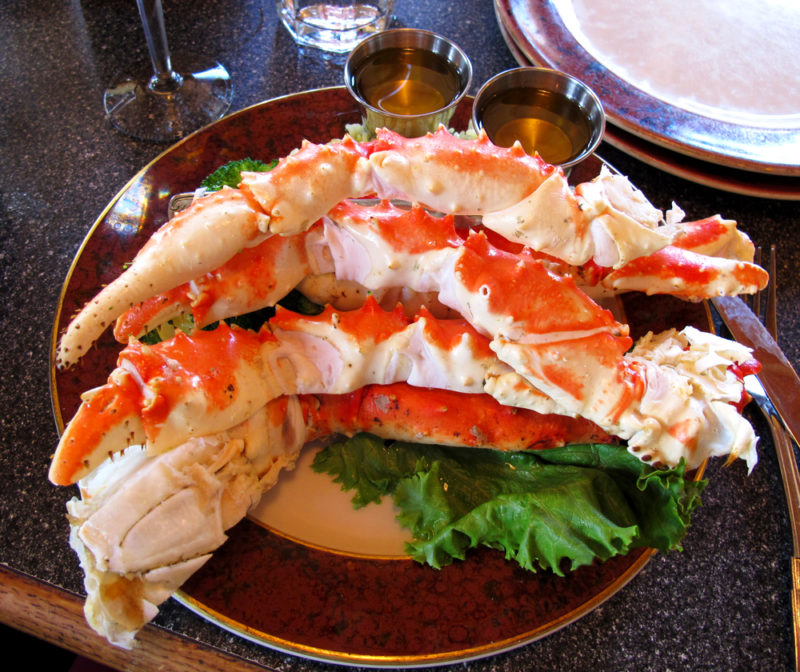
682 88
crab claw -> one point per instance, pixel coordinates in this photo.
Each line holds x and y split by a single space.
165 393
200 239
709 257
255 278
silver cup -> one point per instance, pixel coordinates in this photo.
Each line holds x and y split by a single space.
361 71
515 98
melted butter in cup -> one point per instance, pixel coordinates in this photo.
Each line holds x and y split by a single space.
407 80
548 112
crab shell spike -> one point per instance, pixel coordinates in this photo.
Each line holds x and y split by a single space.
309 182
200 239
369 323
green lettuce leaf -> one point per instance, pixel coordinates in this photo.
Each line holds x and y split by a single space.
230 174
557 509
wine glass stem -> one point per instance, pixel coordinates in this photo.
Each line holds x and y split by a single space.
164 79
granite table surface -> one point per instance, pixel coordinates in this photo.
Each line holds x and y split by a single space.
722 603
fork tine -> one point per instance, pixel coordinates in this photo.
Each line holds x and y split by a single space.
756 302
782 441
772 295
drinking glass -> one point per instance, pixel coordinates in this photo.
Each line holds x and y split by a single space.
154 101
334 25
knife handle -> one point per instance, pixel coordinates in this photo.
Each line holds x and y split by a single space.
796 610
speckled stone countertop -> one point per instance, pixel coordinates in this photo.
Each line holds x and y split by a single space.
720 604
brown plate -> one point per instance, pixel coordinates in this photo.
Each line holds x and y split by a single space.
308 601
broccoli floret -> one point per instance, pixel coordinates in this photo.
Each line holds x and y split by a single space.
184 323
230 174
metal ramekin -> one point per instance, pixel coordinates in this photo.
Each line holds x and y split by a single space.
409 125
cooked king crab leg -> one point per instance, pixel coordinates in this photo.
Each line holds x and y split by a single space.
559 353
443 417
144 524
125 528
708 258
605 221
521 197
198 385
201 238
541 325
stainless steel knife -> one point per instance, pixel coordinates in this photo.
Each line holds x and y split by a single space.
777 375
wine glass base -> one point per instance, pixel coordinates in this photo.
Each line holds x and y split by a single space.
134 108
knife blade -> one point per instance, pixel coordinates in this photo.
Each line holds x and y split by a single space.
777 375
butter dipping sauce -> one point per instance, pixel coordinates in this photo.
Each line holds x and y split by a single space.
549 112
407 80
